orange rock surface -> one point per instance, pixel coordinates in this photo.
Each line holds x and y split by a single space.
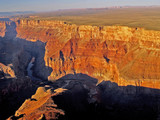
2 29
40 105
7 71
127 56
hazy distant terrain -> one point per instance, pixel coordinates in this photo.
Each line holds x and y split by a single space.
15 13
147 17
50 70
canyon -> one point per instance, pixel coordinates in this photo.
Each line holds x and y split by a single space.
115 53
79 72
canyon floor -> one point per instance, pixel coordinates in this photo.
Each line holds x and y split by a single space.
54 70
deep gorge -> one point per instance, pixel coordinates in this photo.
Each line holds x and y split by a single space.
100 65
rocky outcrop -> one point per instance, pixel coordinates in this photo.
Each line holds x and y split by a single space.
78 97
6 71
13 92
40 106
127 56
2 28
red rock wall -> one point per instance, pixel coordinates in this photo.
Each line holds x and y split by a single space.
127 56
2 29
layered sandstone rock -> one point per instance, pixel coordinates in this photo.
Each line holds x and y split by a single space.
127 56
7 71
40 106
2 28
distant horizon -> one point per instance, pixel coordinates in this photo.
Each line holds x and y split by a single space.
54 5
132 6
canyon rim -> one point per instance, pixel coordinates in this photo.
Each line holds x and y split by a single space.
53 69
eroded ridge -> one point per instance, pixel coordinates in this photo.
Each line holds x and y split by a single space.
127 56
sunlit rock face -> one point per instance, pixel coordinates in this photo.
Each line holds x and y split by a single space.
82 57
6 71
127 56
2 29
40 106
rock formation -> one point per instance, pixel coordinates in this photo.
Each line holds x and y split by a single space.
15 86
2 28
6 71
127 56
107 70
40 106
70 99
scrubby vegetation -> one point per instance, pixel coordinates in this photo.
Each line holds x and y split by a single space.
146 17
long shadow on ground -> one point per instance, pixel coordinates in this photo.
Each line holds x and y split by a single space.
113 102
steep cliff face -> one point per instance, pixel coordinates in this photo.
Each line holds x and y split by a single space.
2 28
15 86
127 56
14 56
77 55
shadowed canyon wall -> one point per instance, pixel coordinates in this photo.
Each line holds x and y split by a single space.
83 60
127 56
15 55
77 97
